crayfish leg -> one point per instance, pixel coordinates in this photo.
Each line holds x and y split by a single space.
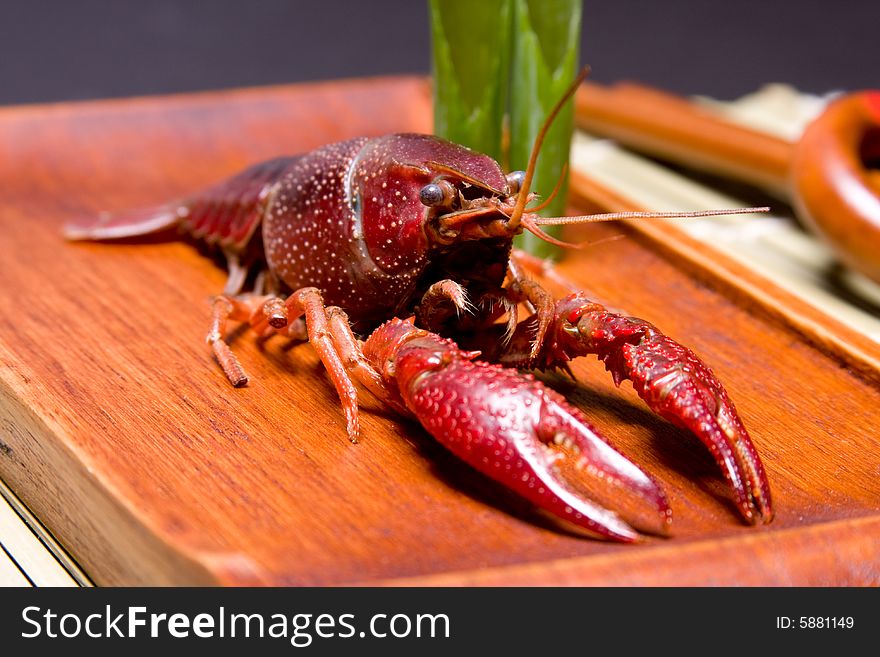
262 312
327 329
223 309
543 303
309 302
356 364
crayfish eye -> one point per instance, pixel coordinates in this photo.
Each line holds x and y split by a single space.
515 181
432 195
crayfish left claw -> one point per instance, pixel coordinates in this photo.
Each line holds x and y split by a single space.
576 455
518 432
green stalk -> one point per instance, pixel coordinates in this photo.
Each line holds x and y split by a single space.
471 48
546 46
480 45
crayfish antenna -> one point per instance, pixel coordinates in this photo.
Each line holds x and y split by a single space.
533 223
519 215
529 224
616 216
547 201
523 194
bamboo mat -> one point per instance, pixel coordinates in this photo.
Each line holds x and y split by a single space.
773 245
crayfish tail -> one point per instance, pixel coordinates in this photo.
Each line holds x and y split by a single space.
120 225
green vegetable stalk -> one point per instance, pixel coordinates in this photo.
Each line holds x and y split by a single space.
471 46
545 61
478 47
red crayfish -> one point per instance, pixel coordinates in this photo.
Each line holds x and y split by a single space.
407 239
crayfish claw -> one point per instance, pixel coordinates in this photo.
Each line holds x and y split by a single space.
681 388
520 433
674 383
702 406
588 465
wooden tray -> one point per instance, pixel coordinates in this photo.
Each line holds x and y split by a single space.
121 434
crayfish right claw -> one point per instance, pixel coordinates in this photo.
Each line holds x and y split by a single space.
675 384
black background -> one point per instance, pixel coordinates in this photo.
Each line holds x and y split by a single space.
74 49
541 621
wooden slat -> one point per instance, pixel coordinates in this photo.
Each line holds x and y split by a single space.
665 125
10 574
121 435
32 548
833 336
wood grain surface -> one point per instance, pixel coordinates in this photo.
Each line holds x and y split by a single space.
121 434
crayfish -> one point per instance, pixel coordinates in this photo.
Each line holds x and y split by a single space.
393 256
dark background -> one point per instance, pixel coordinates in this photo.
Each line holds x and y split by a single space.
73 49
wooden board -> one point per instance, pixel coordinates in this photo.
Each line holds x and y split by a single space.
120 433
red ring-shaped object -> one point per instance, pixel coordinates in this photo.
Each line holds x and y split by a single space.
835 179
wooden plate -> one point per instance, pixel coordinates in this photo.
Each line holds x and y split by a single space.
120 433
